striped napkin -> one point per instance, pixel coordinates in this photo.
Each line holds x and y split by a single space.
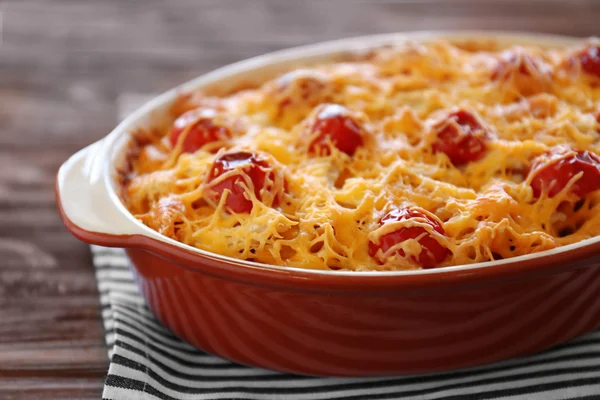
148 362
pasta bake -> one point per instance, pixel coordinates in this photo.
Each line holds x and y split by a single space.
405 157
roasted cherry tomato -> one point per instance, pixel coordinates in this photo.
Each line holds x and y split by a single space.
202 129
552 172
461 137
241 165
528 74
432 252
334 125
589 59
515 61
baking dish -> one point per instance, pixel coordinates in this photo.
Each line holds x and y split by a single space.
331 322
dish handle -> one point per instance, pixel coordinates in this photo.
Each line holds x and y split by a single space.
88 206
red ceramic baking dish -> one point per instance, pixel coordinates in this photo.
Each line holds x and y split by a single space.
332 322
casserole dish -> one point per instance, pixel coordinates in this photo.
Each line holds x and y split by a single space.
331 322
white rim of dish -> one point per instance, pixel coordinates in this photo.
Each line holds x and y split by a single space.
303 53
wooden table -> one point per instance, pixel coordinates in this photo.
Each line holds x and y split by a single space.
67 66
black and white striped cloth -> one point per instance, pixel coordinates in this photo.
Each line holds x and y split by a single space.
147 362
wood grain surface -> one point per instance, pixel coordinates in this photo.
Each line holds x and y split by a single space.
65 64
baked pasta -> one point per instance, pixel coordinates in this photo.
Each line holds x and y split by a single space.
412 156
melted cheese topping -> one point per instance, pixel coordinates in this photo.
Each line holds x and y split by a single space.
528 99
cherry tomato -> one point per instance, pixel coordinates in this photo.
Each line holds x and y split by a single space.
334 125
589 59
552 172
461 137
515 61
432 252
202 129
243 163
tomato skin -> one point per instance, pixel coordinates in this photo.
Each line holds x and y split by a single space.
526 74
243 162
461 137
589 59
517 62
334 125
553 172
202 131
432 252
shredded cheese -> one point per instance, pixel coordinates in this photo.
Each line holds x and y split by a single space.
529 99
